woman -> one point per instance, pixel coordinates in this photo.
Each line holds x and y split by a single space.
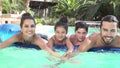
27 35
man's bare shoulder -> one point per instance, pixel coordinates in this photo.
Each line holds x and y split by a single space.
93 35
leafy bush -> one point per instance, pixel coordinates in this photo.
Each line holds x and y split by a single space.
39 20
52 21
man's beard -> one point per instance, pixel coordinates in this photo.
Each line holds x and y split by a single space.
107 41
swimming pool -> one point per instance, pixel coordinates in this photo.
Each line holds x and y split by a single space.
13 57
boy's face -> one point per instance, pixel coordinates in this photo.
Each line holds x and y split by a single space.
81 34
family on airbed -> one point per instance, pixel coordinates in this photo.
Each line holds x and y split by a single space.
72 45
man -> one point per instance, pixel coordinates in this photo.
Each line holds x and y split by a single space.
108 36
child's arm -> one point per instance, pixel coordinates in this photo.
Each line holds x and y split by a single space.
69 46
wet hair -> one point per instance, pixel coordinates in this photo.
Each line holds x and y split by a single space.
62 22
26 16
110 19
64 19
81 24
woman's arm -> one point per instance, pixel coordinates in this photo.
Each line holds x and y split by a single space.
52 52
50 43
8 42
43 46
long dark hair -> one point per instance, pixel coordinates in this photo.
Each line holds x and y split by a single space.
26 16
62 22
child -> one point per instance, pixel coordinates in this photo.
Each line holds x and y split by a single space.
81 30
59 41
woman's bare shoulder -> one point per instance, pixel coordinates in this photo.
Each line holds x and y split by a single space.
16 37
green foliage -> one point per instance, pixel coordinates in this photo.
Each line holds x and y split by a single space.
50 21
39 20
6 6
9 6
53 21
66 7
79 9
87 9
98 9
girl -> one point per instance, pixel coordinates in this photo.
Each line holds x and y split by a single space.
59 41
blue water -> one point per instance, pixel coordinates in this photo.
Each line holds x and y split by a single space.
12 57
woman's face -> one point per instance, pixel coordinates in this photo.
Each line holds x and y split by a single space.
60 33
81 34
28 28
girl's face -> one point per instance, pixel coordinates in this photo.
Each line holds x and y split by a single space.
28 28
81 34
60 33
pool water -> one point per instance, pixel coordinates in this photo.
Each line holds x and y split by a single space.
13 57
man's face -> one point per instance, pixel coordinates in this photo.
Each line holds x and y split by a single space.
108 31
